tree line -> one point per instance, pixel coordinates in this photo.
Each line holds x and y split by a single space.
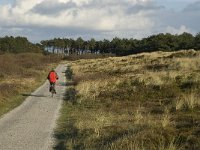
117 46
10 44
124 46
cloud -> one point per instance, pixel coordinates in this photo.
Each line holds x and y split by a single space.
94 18
194 7
143 7
91 14
179 30
49 7
177 22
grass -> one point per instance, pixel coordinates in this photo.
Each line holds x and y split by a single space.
144 101
21 74
188 101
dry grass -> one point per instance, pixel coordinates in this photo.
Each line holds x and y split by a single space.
21 74
188 101
145 101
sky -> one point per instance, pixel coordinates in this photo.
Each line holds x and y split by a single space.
100 19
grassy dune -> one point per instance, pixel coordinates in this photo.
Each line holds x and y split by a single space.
19 75
145 101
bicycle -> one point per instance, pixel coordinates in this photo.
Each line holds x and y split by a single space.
52 89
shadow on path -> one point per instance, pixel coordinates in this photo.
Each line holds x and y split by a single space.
34 95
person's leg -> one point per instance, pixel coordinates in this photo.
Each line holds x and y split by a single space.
54 88
50 86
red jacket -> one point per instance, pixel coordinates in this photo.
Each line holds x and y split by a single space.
52 77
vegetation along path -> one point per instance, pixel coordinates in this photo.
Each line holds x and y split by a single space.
30 126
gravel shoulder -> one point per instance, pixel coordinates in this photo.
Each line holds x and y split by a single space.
30 126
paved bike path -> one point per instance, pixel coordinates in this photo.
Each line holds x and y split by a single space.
30 126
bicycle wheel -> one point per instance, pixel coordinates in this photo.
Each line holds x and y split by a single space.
52 89
52 94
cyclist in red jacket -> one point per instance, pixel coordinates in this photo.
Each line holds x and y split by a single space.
52 77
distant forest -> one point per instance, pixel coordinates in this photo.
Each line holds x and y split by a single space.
117 46
17 45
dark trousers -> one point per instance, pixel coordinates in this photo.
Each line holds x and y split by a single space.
52 87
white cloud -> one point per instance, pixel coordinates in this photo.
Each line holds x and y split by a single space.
179 30
23 6
95 18
109 18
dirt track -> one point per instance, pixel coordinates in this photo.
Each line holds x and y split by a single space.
30 126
